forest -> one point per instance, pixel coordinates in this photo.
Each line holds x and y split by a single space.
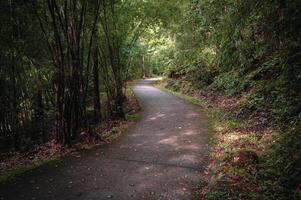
68 68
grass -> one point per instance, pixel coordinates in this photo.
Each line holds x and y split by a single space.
135 115
22 169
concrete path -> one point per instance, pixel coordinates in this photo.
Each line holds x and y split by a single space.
161 157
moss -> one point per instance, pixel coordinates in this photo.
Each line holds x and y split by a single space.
20 170
133 117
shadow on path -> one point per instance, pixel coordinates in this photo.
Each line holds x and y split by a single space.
161 157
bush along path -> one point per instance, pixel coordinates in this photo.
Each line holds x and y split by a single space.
161 157
248 159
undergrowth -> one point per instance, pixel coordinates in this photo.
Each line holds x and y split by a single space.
247 160
16 163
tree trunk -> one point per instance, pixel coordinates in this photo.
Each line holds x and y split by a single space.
97 105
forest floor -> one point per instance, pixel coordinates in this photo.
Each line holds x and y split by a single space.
161 157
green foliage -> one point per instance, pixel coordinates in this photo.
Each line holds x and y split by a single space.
25 75
282 181
230 82
242 48
58 56
249 49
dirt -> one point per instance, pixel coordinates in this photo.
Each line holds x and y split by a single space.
161 157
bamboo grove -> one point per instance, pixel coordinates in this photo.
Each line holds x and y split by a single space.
60 61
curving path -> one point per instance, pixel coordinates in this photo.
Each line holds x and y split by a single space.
161 157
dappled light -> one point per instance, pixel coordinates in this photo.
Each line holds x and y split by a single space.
157 116
150 99
161 157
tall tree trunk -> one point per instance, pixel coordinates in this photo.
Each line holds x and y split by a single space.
15 113
97 105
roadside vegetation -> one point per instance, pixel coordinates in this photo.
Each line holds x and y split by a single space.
246 161
65 73
65 68
241 62
14 163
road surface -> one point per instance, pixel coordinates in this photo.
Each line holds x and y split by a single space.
160 157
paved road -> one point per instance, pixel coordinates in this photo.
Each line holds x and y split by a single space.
161 157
